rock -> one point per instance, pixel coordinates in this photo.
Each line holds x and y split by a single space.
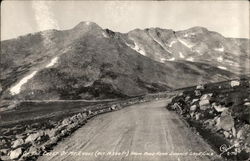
51 132
204 104
217 121
197 92
118 106
20 136
194 100
34 151
234 131
187 98
234 83
17 143
218 108
180 94
247 104
192 114
201 87
240 134
197 116
89 112
79 116
66 121
193 108
236 143
15 154
210 122
34 137
206 96
226 122
74 118
226 134
4 151
225 112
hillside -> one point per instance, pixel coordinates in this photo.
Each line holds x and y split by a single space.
88 62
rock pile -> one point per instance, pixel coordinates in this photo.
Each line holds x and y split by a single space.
225 112
35 142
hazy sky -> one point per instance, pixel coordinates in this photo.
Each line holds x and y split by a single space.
230 18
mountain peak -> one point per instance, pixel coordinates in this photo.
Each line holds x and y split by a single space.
198 29
86 24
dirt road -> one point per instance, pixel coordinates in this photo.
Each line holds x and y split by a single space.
144 132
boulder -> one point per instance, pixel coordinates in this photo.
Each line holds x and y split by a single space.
226 122
210 122
197 116
4 151
234 131
247 104
66 121
17 143
187 98
194 100
204 104
192 114
217 121
234 83
79 116
74 118
226 134
51 132
89 112
33 137
206 96
15 154
118 106
197 93
34 151
201 87
218 108
240 134
193 108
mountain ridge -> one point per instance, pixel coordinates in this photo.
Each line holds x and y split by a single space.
88 62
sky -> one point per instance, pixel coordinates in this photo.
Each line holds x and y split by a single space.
230 18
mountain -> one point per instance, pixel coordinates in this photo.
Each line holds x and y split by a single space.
196 44
88 62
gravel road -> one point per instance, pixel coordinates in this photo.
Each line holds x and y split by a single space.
142 132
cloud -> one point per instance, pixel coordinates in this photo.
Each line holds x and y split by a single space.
44 15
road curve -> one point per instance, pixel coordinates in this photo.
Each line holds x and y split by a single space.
144 132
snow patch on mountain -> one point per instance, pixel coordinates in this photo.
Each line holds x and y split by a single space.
160 43
189 45
221 49
17 88
136 48
221 67
171 59
163 60
172 42
181 55
105 35
188 34
220 59
190 59
52 62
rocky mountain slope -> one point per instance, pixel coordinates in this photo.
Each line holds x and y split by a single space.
220 112
88 62
196 44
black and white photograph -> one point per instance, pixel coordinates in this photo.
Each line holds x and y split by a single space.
125 80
